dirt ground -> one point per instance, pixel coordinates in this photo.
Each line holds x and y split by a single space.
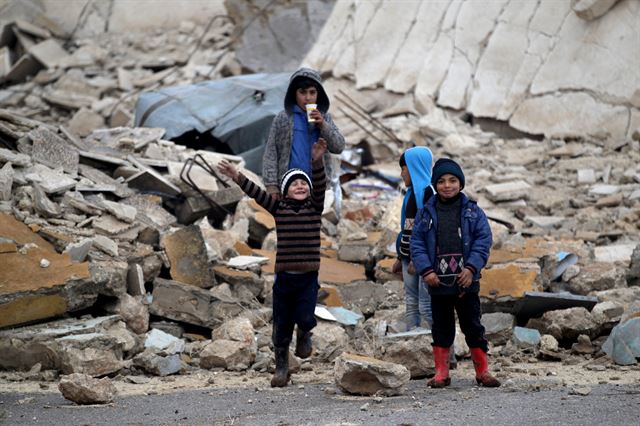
576 373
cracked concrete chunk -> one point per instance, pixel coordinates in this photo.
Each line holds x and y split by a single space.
105 244
190 304
43 205
84 389
29 292
84 121
187 253
6 182
53 151
158 365
228 354
508 191
52 181
121 211
362 375
15 158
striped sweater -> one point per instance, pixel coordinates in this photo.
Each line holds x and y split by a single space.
297 223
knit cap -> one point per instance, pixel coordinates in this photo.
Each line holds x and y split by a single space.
290 176
444 166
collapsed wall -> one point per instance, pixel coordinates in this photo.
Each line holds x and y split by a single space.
561 68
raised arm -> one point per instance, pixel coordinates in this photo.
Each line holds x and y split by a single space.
318 176
248 186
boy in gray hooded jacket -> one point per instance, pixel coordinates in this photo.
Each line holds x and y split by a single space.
292 135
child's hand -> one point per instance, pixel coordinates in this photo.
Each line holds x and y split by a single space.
432 280
228 169
317 117
397 267
465 278
318 150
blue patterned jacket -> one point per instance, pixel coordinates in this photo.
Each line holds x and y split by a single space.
476 242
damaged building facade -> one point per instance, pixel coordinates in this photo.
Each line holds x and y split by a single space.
123 253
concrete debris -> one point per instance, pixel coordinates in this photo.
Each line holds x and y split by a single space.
360 375
158 365
96 215
84 389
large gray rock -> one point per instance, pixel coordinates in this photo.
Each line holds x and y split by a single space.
415 353
228 354
84 389
363 296
237 329
566 324
190 304
134 312
158 365
329 341
363 375
597 277
95 354
498 327
623 344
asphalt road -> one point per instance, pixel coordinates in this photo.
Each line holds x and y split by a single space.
316 404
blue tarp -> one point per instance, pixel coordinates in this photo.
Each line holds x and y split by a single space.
236 110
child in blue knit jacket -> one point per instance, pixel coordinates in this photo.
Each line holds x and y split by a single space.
450 245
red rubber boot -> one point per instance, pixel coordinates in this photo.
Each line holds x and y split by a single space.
441 358
483 377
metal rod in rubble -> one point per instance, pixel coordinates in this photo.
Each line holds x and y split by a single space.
359 125
359 109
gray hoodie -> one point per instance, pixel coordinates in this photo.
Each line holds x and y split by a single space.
278 148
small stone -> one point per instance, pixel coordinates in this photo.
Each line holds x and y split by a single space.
44 263
365 407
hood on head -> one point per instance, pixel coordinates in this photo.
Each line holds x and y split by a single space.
290 97
419 160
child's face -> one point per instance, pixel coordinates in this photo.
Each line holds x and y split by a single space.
448 186
306 96
406 176
298 190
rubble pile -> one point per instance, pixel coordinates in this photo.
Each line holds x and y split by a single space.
112 263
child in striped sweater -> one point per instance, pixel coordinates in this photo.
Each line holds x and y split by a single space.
298 220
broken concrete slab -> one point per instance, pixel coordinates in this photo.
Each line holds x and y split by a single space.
566 324
158 365
329 341
52 181
597 276
361 375
228 354
79 251
135 280
525 338
195 206
508 191
109 225
187 255
84 389
105 244
623 344
23 347
6 182
30 292
240 279
413 351
49 53
84 121
614 253
53 151
190 304
507 280
159 341
95 354
535 303
121 211
15 158
43 205
498 327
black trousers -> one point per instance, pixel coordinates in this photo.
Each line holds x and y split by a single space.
294 302
469 314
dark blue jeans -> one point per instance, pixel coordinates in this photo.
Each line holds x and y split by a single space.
469 314
294 302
